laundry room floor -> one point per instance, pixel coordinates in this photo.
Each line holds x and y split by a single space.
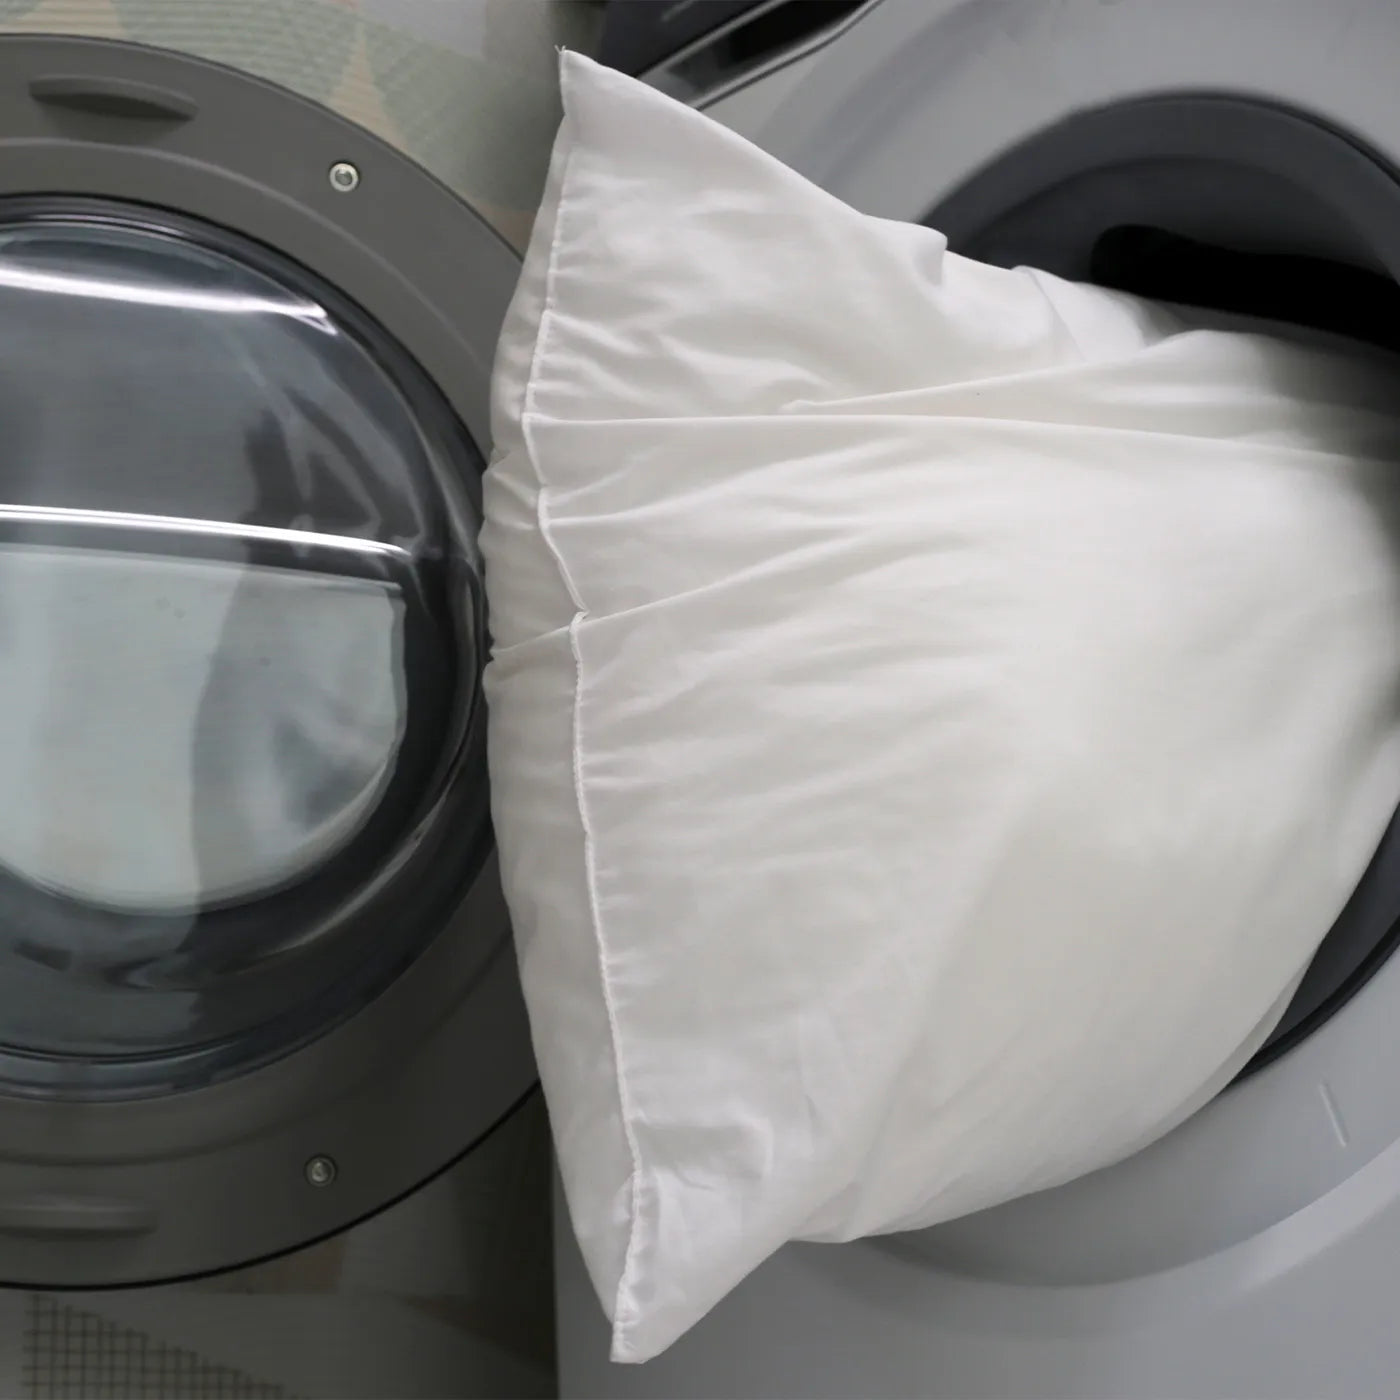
448 1293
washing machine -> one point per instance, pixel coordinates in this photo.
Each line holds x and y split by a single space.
256 979
1244 156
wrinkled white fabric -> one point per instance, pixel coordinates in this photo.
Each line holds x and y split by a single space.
936 711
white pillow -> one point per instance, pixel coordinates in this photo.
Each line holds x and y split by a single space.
936 711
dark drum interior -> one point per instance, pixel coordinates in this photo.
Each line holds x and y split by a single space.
1241 207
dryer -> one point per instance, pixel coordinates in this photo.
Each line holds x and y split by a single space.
1243 155
255 972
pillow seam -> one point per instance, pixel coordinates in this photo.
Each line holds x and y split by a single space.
622 1311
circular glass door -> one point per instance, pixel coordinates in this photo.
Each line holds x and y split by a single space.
240 616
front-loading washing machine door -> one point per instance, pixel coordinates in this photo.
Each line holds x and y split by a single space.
255 971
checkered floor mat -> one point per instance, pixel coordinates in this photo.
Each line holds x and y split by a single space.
71 1354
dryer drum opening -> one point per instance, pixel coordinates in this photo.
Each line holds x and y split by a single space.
1241 207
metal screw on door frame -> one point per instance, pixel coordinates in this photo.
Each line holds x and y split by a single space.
320 1171
344 177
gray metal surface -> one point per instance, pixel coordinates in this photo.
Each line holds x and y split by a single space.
468 89
1256 1250
123 1192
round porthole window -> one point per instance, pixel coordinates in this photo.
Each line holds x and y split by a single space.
240 621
